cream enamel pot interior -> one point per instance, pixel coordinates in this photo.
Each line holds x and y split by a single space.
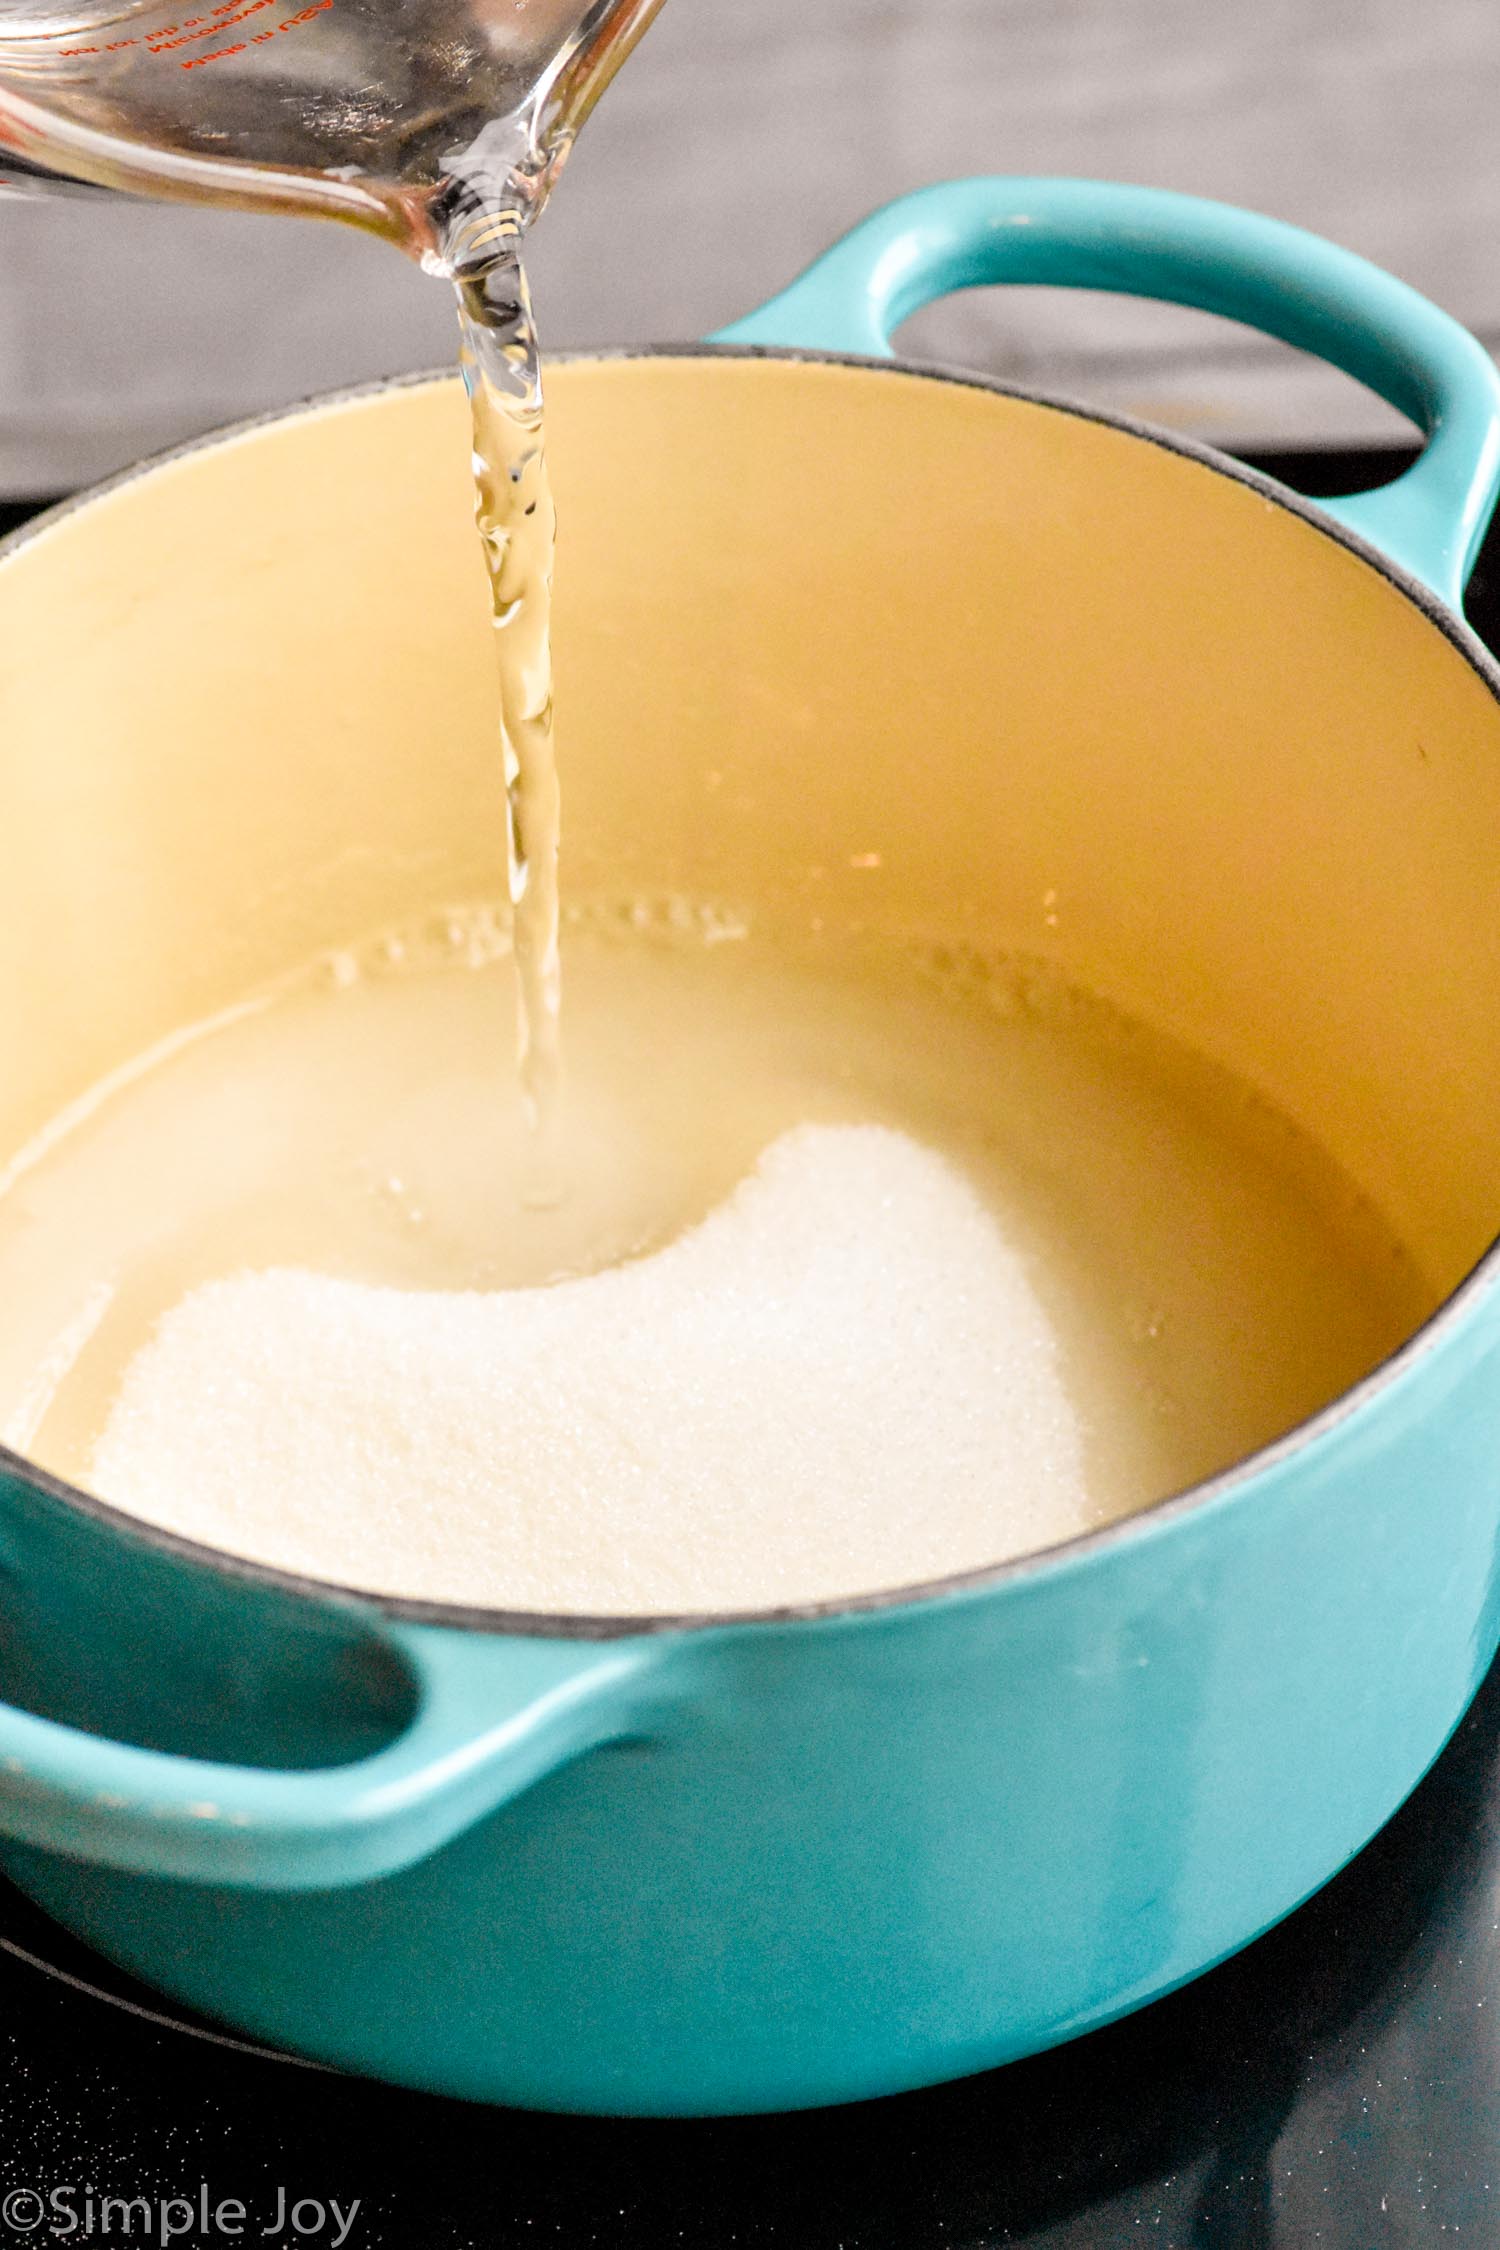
697 1865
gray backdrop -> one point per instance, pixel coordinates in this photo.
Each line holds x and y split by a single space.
744 135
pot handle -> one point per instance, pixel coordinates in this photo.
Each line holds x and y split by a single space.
495 1713
1145 242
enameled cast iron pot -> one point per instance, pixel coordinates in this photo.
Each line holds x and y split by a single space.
697 1865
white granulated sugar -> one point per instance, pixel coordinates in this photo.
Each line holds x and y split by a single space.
840 1380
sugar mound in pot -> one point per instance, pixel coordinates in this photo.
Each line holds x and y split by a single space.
842 1379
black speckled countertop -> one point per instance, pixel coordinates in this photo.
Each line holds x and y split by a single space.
1335 2087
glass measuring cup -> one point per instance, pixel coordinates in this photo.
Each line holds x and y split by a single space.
410 118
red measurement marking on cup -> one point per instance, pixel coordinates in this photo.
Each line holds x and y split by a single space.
259 38
214 21
210 18
195 28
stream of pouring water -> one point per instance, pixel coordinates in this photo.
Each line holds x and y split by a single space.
441 125
518 528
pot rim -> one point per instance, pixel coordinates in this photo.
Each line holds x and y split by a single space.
1159 1516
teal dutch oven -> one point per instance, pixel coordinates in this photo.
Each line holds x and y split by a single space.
698 1865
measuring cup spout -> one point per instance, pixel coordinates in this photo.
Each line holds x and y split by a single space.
381 115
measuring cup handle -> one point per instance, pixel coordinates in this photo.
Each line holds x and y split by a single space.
1144 242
